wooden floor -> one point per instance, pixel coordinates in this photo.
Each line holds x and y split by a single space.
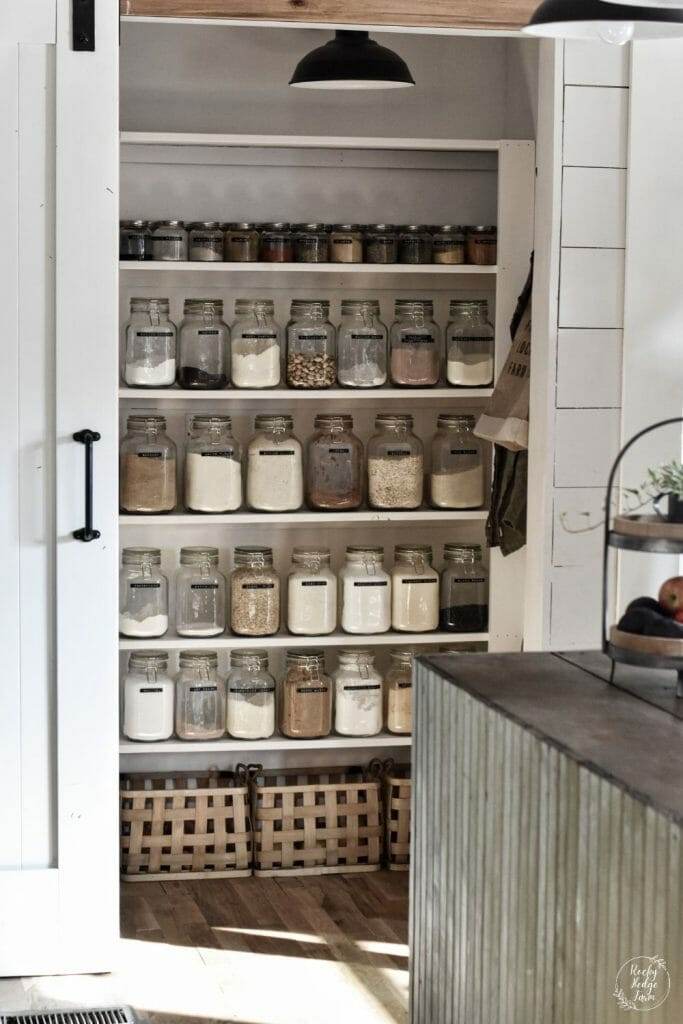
329 949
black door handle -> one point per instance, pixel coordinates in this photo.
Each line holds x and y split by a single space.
88 438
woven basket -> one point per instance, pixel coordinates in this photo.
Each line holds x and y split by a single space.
177 825
397 795
309 822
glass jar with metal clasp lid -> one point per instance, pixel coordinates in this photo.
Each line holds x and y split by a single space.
148 467
148 697
135 240
481 245
346 243
365 589
306 707
395 464
169 241
200 593
456 479
361 345
254 592
464 590
381 243
256 343
415 344
398 692
414 244
200 697
277 243
357 694
448 244
250 698
311 345
205 242
213 466
150 345
334 465
414 589
204 346
275 477
470 344
241 240
311 593
143 593
311 243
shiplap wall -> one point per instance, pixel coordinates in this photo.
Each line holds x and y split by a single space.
590 322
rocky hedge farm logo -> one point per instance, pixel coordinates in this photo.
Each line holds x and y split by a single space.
643 983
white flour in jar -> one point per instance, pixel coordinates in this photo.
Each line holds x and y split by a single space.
256 361
213 482
159 376
251 716
460 488
312 602
275 480
149 626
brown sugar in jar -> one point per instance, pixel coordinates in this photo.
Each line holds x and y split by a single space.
147 467
306 711
481 245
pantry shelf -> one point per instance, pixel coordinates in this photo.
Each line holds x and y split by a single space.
308 142
419 515
137 267
229 642
274 743
388 394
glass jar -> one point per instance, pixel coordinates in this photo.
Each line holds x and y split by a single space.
415 344
256 345
395 464
306 709
381 243
346 243
250 696
147 467
311 593
205 242
277 243
150 348
169 241
481 245
204 346
213 466
357 695
365 591
241 242
200 593
464 590
254 593
457 475
470 340
135 240
448 244
414 590
334 465
200 697
148 696
361 345
143 593
398 692
415 244
275 479
311 243
311 345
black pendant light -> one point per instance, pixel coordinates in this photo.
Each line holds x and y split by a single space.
595 19
352 60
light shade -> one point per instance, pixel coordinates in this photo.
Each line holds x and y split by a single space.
596 19
352 60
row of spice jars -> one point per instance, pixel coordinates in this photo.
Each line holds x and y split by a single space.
199 704
313 242
206 354
365 598
336 473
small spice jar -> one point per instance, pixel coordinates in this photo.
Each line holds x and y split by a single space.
311 345
200 697
414 589
135 240
346 243
456 479
415 244
250 696
241 241
255 593
448 244
357 694
169 241
275 478
213 466
277 243
311 243
361 345
143 593
306 711
148 697
150 347
147 467
470 343
464 590
365 591
381 243
481 245
334 465
311 593
256 344
204 346
205 241
398 692
415 344
200 593
395 464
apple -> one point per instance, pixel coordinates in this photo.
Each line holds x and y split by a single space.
671 597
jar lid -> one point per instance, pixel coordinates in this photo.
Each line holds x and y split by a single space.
255 554
211 225
359 305
469 305
197 554
448 229
357 654
414 229
328 419
248 657
454 552
416 305
240 225
447 419
386 419
141 659
203 305
276 225
314 305
204 422
138 556
346 227
186 658
380 229
306 554
266 306
266 421
310 656
139 304
134 224
481 227
404 654
169 224
142 422
364 552
406 550
312 226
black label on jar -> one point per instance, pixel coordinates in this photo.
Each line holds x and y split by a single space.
314 583
167 238
203 689
418 339
251 689
150 455
311 337
409 579
472 337
405 686
212 332
339 451
240 238
151 689
370 583
365 686
263 336
480 240
311 689
395 453
468 579
342 241
153 334
224 454
203 586
446 245
145 586
464 451
280 451
367 337
258 586
206 240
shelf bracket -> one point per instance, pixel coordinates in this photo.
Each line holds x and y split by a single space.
83 24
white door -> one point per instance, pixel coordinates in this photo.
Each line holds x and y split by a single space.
58 662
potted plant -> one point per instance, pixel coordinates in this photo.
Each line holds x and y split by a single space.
665 481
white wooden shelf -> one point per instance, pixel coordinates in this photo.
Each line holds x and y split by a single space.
309 142
228 745
130 267
419 515
172 642
384 394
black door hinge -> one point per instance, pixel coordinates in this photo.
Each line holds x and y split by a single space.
83 19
